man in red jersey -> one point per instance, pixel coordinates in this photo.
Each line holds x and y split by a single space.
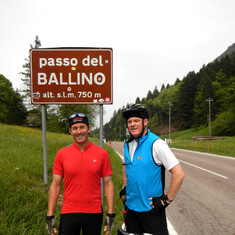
81 165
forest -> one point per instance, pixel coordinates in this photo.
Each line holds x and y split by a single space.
186 101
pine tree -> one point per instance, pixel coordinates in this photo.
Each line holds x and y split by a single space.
155 92
137 101
163 87
149 95
187 94
26 66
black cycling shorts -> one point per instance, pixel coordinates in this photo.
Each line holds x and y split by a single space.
153 222
73 223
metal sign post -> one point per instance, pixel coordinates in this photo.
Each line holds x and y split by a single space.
44 141
101 143
101 125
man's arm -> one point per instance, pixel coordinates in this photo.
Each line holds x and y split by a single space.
124 179
54 193
109 193
176 181
124 182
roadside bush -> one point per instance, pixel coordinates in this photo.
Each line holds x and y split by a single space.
224 125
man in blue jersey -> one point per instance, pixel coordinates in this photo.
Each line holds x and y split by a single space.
146 157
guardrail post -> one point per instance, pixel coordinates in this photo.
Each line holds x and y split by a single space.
208 147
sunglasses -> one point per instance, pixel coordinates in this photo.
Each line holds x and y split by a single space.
82 115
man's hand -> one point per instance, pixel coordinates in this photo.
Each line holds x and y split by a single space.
109 223
160 202
51 225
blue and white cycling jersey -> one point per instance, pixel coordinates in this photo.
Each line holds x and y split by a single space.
145 179
145 165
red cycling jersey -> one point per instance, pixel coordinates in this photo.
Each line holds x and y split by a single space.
82 172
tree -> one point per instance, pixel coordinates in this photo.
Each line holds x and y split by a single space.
137 101
177 81
155 92
187 94
161 108
26 66
200 109
12 108
163 87
149 95
153 123
34 112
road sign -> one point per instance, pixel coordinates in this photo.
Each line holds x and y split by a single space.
71 76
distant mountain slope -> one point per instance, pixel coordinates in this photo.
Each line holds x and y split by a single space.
229 51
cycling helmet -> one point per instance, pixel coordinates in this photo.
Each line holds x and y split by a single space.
135 110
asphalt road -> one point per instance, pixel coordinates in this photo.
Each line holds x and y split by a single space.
205 203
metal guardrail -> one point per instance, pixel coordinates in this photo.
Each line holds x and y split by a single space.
195 138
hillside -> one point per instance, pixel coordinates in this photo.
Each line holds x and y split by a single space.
229 51
189 96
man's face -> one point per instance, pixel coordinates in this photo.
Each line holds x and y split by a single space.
80 131
135 126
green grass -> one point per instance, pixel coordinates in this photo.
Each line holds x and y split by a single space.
23 194
183 140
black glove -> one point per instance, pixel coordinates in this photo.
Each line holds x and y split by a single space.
157 202
50 224
109 221
123 192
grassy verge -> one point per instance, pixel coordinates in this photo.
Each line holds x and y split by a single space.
183 140
23 195
117 180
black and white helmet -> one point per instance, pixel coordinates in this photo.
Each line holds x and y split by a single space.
135 110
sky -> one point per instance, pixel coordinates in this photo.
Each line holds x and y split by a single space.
154 42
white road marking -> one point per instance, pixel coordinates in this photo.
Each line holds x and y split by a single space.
207 154
222 176
171 230
119 155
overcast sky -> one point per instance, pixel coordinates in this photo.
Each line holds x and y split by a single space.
154 42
